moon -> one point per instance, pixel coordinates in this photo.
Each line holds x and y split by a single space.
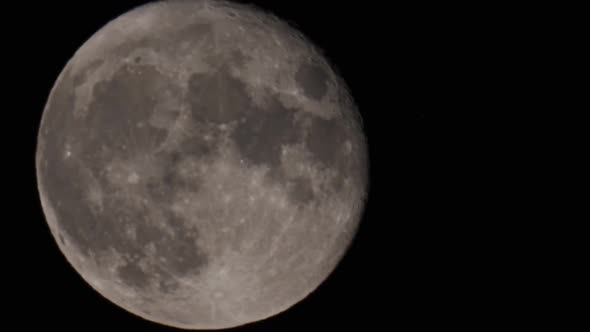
201 164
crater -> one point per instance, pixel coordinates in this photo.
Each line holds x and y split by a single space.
313 80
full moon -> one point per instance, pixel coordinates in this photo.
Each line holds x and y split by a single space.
201 164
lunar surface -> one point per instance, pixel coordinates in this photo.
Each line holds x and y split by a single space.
201 165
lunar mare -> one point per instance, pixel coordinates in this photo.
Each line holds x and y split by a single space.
201 165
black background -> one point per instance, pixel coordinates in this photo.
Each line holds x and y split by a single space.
401 64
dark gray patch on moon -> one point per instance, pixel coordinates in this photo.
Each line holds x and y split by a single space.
132 275
162 186
238 59
197 146
262 132
130 97
147 233
177 252
65 189
180 250
325 141
313 80
301 191
165 117
217 97
167 285
120 104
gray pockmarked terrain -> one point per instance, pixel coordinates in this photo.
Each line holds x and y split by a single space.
201 165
